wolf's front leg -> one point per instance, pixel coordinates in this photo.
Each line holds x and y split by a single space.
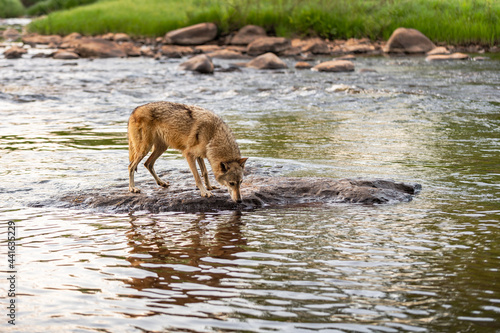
192 165
204 174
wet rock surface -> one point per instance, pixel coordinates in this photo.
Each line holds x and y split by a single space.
259 190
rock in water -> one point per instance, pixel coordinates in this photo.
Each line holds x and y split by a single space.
201 64
257 191
442 57
335 66
267 61
14 52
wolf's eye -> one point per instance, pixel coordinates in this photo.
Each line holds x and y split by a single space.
232 183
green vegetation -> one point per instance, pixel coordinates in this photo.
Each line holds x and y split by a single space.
452 21
48 6
11 8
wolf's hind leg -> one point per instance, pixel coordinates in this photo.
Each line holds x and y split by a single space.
136 158
204 173
158 149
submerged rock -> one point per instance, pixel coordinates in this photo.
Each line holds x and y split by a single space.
303 65
65 55
442 57
258 191
335 66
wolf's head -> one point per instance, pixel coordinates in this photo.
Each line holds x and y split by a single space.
231 176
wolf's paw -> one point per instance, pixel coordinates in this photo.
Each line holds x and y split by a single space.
207 194
134 190
212 187
163 184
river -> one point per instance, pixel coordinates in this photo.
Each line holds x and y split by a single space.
429 265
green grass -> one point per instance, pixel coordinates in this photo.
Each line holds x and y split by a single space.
451 21
47 6
11 8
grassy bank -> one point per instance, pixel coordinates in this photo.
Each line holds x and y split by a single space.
451 21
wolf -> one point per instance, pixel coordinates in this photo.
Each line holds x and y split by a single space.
196 132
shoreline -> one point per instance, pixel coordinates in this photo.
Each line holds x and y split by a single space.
250 42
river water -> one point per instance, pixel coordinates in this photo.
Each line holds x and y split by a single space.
430 265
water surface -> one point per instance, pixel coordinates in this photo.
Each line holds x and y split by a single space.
430 265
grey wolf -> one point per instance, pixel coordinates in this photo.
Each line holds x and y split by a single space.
196 132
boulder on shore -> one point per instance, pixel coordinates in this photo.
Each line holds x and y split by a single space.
34 39
268 44
98 48
227 54
193 35
11 34
267 61
121 37
314 46
258 191
357 46
248 34
200 63
130 49
405 40
176 51
335 66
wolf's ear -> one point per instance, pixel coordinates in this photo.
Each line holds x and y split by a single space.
242 161
224 166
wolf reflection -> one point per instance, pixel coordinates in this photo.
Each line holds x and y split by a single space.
174 249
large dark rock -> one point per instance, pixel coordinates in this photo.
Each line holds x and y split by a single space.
405 40
258 191
193 35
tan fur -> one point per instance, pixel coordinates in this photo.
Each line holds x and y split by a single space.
196 132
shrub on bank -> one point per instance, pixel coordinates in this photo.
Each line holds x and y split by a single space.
47 6
11 8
